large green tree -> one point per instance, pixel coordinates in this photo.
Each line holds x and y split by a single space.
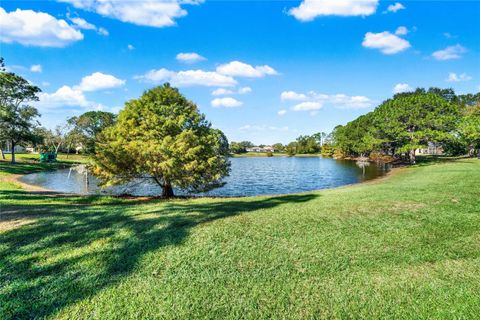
162 136
469 128
17 118
87 126
410 121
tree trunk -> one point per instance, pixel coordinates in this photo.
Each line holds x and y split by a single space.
167 191
3 154
13 152
411 155
478 152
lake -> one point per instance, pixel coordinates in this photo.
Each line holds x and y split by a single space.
248 177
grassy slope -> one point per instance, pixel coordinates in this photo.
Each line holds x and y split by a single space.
407 246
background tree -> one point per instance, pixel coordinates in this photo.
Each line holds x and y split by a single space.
409 121
307 145
291 148
57 138
469 128
17 118
162 136
237 148
87 126
278 147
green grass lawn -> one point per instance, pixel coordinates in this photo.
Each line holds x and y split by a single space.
403 247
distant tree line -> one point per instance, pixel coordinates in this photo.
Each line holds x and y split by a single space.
410 121
397 128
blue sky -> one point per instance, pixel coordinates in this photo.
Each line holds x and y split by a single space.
285 67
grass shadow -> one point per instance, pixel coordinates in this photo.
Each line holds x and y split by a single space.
71 250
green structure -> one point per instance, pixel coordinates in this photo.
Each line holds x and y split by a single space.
48 157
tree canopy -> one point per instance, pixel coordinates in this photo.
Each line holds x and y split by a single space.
87 126
17 118
162 136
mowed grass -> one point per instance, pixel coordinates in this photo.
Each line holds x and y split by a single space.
406 247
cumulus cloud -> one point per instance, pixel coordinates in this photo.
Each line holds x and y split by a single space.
130 47
449 53
240 69
65 96
188 78
307 106
249 127
226 102
31 28
36 68
386 42
223 91
401 31
292 95
153 13
190 57
244 90
395 7
310 9
402 87
453 77
99 81
282 112
315 101
81 23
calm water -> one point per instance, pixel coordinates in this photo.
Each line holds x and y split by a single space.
249 176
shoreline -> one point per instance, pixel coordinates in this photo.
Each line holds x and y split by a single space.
16 178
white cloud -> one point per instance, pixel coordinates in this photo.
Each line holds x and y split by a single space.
102 31
226 102
402 87
401 31
65 96
342 101
99 81
448 35
395 7
453 77
240 69
386 42
249 127
244 90
188 78
310 9
307 106
223 91
153 13
282 112
292 95
68 96
36 68
315 101
32 28
190 57
130 47
449 53
81 23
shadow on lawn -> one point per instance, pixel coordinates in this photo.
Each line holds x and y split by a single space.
72 251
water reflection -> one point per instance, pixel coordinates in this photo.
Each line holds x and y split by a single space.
249 176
